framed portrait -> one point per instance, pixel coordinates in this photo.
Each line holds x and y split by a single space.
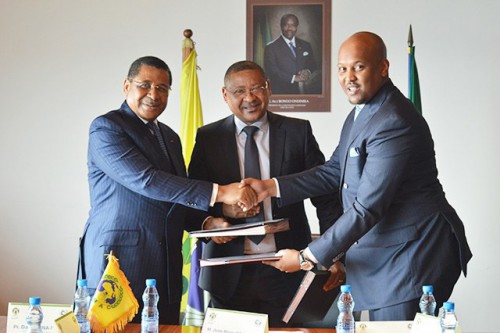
291 40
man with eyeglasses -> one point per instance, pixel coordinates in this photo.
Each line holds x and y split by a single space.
139 191
285 145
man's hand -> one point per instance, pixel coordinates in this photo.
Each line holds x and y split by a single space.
337 276
235 193
235 211
218 223
288 263
263 188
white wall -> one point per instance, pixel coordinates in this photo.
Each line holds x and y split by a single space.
63 62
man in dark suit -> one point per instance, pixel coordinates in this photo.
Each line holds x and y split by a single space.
139 191
398 230
288 60
285 145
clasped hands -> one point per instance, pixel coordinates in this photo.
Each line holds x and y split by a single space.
247 194
240 200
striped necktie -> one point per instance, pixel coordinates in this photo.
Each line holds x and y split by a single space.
292 48
157 134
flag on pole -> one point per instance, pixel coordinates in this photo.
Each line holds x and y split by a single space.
413 83
191 113
113 304
191 120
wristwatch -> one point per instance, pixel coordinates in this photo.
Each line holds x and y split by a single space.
305 264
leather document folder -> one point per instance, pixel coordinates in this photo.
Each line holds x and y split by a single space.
311 302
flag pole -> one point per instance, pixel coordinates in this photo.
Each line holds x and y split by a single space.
410 61
187 45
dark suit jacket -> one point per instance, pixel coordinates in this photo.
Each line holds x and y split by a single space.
293 148
281 65
385 170
135 195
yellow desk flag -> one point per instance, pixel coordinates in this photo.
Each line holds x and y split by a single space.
113 304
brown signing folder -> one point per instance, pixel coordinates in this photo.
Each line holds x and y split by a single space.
311 302
245 229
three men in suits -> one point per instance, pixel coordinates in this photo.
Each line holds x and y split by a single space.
139 191
398 231
289 60
285 145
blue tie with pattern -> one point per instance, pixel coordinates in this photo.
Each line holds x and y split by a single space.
292 48
157 134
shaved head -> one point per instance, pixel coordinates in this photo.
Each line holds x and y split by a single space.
362 67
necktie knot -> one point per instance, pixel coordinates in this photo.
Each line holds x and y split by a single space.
250 130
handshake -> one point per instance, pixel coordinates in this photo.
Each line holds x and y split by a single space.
247 194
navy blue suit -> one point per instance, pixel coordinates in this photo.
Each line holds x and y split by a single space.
398 230
280 64
138 205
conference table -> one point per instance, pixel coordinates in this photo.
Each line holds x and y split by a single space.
136 328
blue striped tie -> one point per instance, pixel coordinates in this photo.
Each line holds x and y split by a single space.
292 48
157 134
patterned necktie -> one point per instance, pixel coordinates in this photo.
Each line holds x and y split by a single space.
292 48
252 169
157 134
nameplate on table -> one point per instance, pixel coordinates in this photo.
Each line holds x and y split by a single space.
383 326
230 321
17 312
427 324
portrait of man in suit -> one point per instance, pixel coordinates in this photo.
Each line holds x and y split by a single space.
221 154
290 62
291 40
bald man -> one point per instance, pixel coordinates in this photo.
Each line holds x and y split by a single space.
398 232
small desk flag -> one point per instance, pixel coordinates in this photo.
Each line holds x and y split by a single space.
113 304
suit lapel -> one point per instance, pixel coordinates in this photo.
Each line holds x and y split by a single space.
174 154
229 150
277 138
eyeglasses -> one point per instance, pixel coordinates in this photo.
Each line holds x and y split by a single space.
145 85
241 92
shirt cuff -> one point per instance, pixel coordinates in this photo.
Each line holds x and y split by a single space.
278 193
308 255
215 190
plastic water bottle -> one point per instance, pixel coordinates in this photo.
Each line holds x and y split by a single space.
82 303
427 301
35 316
150 317
448 318
345 320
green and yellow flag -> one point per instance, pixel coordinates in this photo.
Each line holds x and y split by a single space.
192 303
191 113
113 304
413 83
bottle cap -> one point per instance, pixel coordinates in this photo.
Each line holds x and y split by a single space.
34 300
345 288
449 306
150 282
428 289
81 283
